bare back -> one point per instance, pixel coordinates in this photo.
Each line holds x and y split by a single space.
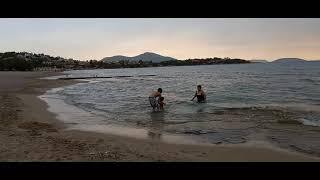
155 94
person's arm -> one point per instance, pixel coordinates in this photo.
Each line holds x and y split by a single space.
195 95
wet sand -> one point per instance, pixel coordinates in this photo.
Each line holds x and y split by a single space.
28 132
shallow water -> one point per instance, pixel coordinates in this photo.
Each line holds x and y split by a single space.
243 100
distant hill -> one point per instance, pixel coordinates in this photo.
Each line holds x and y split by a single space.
289 60
259 61
116 58
145 57
25 61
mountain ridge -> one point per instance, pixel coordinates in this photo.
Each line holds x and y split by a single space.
147 56
289 60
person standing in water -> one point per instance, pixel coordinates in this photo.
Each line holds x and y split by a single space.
152 98
200 94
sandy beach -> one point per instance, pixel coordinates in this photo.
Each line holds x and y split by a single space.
28 132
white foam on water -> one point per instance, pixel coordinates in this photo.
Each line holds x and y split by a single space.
297 106
115 80
309 122
90 81
52 77
54 90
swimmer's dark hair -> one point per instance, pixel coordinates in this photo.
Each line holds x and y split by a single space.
159 90
161 98
199 86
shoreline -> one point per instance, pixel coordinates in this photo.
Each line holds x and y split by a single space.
30 132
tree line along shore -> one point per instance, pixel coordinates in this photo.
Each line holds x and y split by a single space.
23 61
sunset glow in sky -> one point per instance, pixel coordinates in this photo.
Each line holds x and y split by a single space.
179 38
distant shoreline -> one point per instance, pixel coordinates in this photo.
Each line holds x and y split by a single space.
23 61
62 70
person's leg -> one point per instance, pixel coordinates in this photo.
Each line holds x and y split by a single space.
152 102
157 104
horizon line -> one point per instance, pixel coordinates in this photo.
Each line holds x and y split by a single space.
88 59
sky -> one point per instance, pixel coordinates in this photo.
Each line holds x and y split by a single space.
181 38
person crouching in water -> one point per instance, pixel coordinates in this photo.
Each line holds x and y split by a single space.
152 99
200 94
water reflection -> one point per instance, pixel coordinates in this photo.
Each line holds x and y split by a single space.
201 109
157 125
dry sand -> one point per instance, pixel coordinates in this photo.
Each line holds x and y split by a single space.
28 132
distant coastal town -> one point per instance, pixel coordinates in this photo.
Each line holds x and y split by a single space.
25 61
